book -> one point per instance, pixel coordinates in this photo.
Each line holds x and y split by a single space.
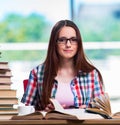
7 106
6 72
58 113
5 79
5 86
102 106
4 65
6 116
8 101
5 93
8 111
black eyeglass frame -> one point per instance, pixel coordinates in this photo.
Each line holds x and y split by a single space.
64 40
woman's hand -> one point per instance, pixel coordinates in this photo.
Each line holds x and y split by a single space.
49 107
70 107
82 106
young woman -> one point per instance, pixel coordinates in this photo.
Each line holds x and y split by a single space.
65 74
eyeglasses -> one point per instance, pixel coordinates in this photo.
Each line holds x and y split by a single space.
64 40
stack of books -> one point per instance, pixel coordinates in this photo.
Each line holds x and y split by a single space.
8 97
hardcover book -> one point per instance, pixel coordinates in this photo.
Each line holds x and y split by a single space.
5 79
4 65
4 111
58 113
5 93
5 86
5 101
6 72
102 106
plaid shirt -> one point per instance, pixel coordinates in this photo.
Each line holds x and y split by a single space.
85 86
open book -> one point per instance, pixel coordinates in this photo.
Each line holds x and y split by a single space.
102 106
59 113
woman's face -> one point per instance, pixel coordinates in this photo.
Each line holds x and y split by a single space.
67 43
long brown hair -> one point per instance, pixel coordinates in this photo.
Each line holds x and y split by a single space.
52 60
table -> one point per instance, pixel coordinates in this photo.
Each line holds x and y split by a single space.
61 122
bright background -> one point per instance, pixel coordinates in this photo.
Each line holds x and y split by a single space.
25 27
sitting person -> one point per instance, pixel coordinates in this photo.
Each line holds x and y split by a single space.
66 74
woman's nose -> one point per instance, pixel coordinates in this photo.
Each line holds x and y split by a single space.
68 43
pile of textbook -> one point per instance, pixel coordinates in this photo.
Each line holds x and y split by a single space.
8 96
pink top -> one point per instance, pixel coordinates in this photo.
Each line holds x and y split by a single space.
64 95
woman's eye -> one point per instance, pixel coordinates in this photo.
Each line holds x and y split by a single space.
61 40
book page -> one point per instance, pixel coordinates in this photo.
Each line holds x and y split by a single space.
56 104
82 114
116 115
108 102
79 113
53 114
